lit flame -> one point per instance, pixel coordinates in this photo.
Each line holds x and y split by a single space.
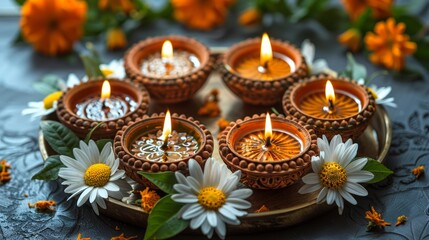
266 51
268 128
167 50
329 92
166 130
105 90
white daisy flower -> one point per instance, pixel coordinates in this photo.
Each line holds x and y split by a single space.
336 173
380 94
72 80
114 69
42 108
93 175
211 198
319 65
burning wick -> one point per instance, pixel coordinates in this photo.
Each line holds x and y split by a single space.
105 95
330 97
268 131
167 55
266 53
166 131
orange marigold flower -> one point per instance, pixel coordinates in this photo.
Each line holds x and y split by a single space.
44 205
116 39
211 107
202 15
116 5
389 44
375 220
250 17
122 237
52 26
380 8
263 208
79 237
149 199
401 219
418 171
351 39
222 123
4 174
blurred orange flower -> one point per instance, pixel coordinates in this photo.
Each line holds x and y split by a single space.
380 8
116 5
116 39
203 15
351 39
52 26
250 17
389 44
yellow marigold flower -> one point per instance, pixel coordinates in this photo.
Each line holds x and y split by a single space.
116 39
380 8
202 15
52 26
351 39
116 5
389 44
44 205
250 17
149 199
375 220
418 171
401 219
122 237
79 237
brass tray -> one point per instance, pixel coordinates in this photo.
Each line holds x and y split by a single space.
287 206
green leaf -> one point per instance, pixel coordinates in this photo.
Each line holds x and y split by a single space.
413 24
356 70
88 136
102 142
44 88
378 169
163 180
20 2
332 18
61 139
91 65
164 221
50 169
409 74
19 38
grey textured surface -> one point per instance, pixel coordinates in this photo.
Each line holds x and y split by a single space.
20 67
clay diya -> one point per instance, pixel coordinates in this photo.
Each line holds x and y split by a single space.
114 103
259 71
270 152
172 68
331 106
161 143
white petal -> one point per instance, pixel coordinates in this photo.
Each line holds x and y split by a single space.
184 198
181 178
103 193
84 196
95 208
340 203
348 155
193 211
94 153
322 195
195 170
360 176
82 158
330 198
212 218
311 178
241 193
230 185
308 188
347 196
356 165
227 214
221 229
228 207
355 188
101 203
238 203
307 50
112 187
198 221
316 164
181 188
117 175
194 184
94 194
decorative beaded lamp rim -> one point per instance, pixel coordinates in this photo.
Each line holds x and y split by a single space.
97 83
291 98
306 139
201 139
153 45
238 50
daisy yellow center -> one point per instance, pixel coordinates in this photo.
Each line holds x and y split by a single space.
97 175
333 175
373 93
49 100
211 198
106 72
